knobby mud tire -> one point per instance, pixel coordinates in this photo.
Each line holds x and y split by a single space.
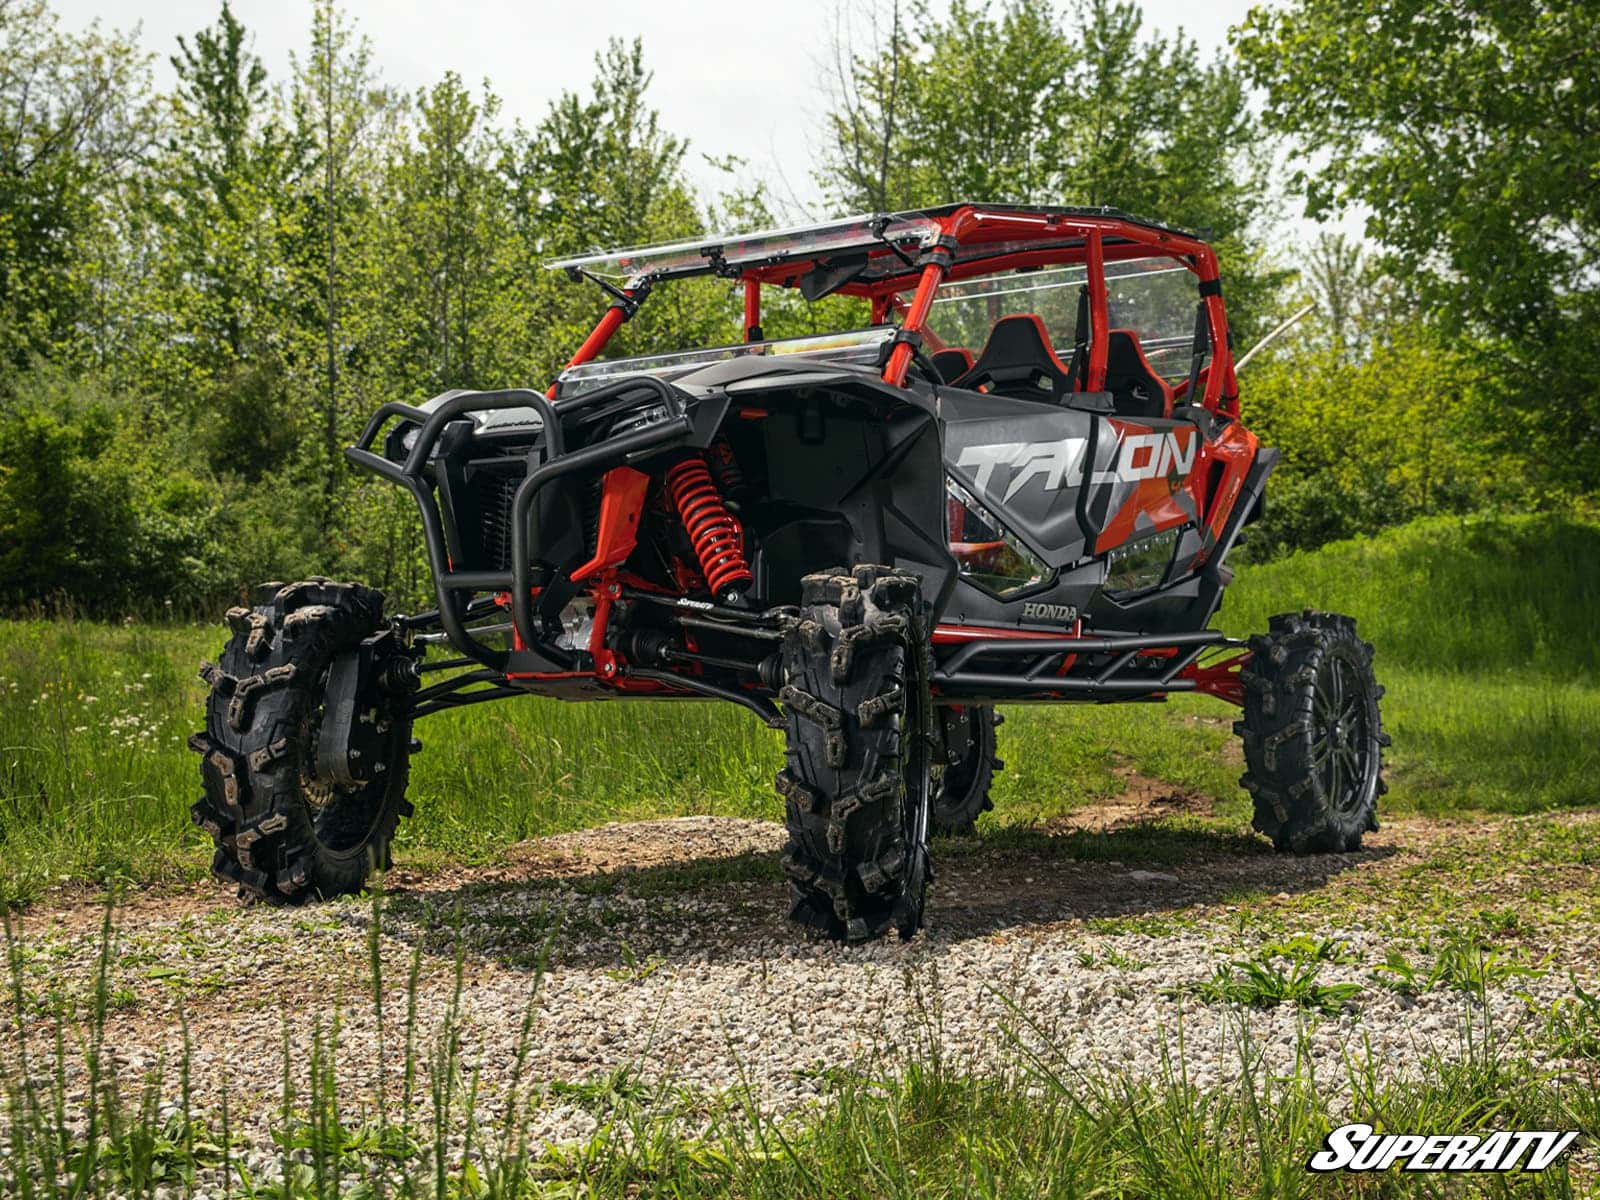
281 834
1313 735
962 795
856 776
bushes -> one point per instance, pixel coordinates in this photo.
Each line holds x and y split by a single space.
100 511
106 509
1413 428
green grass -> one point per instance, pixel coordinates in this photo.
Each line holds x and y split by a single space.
1487 633
1449 594
1488 640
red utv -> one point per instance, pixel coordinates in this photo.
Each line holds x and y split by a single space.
1019 483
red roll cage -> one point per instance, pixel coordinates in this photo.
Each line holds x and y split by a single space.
918 252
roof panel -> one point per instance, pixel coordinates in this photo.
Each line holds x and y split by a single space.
862 232
908 230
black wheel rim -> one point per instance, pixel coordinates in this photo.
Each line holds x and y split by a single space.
1341 734
343 819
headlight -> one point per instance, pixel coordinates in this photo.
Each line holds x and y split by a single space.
654 415
1140 565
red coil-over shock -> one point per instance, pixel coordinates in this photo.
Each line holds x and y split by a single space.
714 532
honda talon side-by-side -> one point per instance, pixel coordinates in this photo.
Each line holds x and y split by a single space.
1018 483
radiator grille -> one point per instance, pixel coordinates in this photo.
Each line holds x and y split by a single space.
498 492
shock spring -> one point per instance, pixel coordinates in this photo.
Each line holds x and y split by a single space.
714 532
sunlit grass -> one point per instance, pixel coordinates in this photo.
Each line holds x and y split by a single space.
1488 647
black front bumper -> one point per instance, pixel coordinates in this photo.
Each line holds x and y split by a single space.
547 463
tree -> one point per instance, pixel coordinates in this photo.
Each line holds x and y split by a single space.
964 107
862 128
599 171
232 158
75 116
217 315
337 106
1361 305
1026 104
1469 132
442 223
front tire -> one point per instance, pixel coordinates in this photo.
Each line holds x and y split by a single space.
281 832
1313 735
856 783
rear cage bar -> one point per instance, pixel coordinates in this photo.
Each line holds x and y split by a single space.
554 463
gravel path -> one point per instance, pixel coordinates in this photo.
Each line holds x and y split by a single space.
658 949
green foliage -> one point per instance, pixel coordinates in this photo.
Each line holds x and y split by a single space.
1282 972
1459 961
1303 948
75 111
1028 103
1468 133
1487 642
1451 594
1378 440
1573 1026
82 517
1268 982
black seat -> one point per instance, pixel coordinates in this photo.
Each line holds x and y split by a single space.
952 362
1136 390
1018 361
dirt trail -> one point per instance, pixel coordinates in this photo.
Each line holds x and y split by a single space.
659 947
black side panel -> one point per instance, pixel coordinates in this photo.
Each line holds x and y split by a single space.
1057 477
1024 461
854 450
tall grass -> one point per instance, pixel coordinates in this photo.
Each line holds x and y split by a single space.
1487 634
1479 594
918 1123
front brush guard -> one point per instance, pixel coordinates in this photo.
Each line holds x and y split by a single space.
554 461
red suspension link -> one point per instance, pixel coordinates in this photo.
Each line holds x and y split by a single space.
714 532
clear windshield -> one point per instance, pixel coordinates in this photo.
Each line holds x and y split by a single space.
1153 297
963 313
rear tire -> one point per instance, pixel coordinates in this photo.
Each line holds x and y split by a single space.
280 832
856 783
1313 736
962 795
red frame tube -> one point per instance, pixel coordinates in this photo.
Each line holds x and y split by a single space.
1098 314
752 309
600 335
894 371
609 323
